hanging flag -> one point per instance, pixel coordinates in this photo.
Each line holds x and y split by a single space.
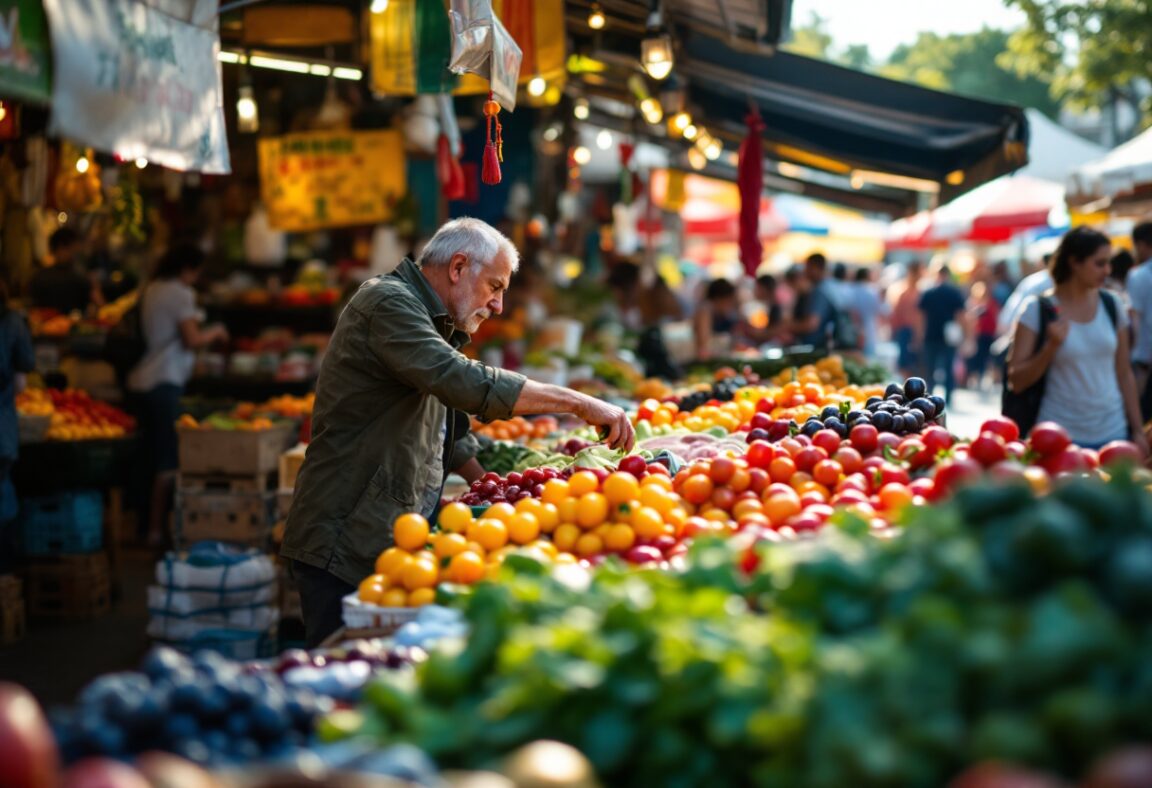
750 180
25 56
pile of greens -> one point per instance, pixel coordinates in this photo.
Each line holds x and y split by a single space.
998 625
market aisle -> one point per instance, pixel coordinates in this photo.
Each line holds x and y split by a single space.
56 659
970 407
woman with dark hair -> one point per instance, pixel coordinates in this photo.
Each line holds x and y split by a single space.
717 317
16 358
1075 339
172 329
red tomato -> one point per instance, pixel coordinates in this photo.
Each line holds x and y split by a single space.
760 421
1016 450
1002 426
894 497
758 480
864 438
828 440
953 473
723 498
1049 438
828 473
782 469
887 440
761 454
697 489
890 473
807 458
915 453
790 445
936 439
849 459
765 405
722 470
988 449
1120 452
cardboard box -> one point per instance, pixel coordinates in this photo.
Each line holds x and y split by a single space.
238 452
244 518
69 586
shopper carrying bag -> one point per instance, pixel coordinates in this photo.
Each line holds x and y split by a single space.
1076 346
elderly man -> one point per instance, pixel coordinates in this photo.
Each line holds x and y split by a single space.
389 419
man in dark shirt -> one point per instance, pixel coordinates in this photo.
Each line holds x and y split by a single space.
57 284
819 317
942 304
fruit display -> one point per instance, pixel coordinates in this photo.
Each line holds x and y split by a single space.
206 708
1000 625
227 423
75 415
517 428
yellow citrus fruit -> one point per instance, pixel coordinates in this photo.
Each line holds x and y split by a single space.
657 480
455 518
410 532
371 589
504 512
545 547
589 545
391 560
619 538
394 597
566 511
582 483
477 548
448 545
555 491
621 487
489 533
565 536
529 506
467 568
592 510
421 573
421 597
647 523
549 517
524 528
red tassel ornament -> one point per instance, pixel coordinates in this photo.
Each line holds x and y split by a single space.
493 147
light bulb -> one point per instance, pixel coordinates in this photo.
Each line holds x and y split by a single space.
581 155
537 86
552 133
82 165
378 6
3 110
697 159
681 121
596 18
141 163
580 110
656 55
604 139
714 149
690 132
247 113
652 111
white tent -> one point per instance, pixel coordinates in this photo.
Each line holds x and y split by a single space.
1121 171
1054 152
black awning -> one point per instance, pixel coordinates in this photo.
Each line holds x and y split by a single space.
857 120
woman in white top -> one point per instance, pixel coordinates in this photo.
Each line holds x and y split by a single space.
1089 388
172 329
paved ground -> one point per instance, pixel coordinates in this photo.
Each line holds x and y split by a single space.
970 408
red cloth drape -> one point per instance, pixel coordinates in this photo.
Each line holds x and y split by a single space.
750 180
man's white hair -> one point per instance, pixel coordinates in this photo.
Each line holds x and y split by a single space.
480 241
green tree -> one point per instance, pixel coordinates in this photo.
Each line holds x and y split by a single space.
812 39
1095 51
969 64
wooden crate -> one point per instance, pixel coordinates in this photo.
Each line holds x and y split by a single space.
69 586
236 453
227 483
244 518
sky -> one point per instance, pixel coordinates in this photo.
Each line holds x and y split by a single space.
884 24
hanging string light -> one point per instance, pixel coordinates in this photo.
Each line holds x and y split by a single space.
596 18
580 109
656 48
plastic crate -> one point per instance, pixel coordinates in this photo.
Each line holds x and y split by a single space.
362 615
68 522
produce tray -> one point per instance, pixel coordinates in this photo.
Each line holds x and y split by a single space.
239 452
50 466
361 615
67 522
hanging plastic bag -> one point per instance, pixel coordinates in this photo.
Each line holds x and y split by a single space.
481 45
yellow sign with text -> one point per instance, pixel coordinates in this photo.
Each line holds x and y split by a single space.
322 179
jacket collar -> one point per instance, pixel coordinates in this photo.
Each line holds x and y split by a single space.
411 275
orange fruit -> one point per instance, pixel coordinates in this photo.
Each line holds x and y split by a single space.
647 523
657 480
421 597
549 517
410 532
504 512
656 497
620 487
780 506
529 506
555 491
455 518
619 538
565 536
566 510
391 560
371 589
546 547
589 545
394 597
582 483
467 568
524 528
488 533
448 545
592 509
421 573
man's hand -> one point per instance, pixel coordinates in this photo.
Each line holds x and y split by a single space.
598 413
